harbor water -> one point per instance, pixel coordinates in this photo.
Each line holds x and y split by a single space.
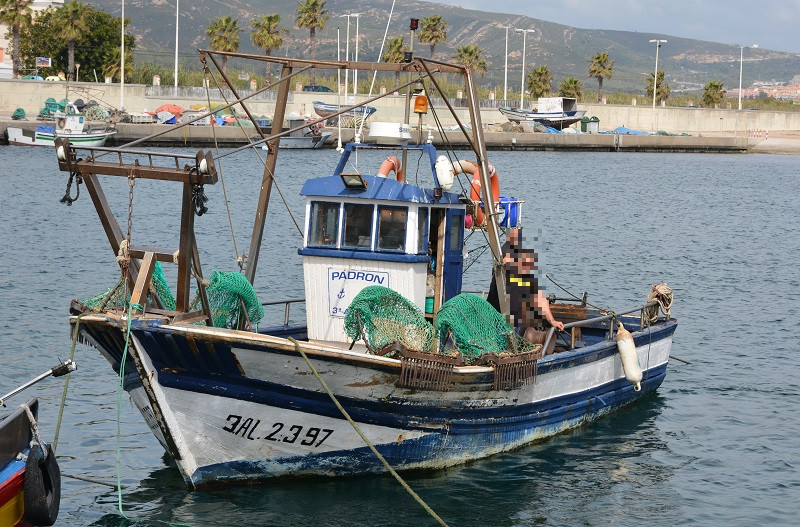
716 445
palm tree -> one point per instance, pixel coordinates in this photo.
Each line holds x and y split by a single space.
224 35
17 15
600 68
73 20
713 94
662 88
469 55
112 63
540 81
570 87
312 15
266 34
434 31
395 52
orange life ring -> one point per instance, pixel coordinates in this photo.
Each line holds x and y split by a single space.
469 167
392 164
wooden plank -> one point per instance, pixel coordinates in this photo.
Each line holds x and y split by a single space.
160 254
185 250
266 181
139 295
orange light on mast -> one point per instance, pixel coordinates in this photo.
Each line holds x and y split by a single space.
421 104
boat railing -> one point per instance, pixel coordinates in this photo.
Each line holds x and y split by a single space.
148 154
286 307
610 318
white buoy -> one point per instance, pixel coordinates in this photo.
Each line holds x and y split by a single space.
629 357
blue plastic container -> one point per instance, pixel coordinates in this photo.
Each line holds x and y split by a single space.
512 211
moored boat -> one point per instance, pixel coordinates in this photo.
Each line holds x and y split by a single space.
556 112
391 346
71 125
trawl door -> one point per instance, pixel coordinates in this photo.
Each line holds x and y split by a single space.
453 253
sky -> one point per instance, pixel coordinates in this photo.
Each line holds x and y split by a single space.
772 24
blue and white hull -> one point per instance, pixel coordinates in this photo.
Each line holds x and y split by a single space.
238 406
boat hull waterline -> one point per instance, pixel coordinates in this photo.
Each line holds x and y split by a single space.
247 408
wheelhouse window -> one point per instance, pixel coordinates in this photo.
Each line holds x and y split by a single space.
422 230
324 224
358 226
392 228
456 220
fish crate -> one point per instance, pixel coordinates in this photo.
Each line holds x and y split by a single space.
142 118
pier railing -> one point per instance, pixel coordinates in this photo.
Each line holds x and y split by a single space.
199 93
487 104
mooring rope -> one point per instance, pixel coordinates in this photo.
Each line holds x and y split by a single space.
364 438
66 383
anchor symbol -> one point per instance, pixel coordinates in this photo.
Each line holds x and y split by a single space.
341 294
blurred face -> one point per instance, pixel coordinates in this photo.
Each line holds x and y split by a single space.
513 237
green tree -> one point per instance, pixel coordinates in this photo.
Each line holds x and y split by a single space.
112 65
469 55
434 31
16 14
267 35
43 39
601 68
540 82
73 18
224 35
395 52
662 88
713 94
312 15
570 87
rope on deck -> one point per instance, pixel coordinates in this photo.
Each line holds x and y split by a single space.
364 438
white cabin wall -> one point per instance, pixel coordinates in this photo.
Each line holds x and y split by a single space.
404 278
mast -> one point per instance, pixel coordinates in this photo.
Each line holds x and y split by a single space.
486 192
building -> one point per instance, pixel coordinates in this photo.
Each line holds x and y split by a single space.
6 65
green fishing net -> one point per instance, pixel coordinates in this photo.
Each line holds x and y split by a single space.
476 328
387 317
231 296
118 297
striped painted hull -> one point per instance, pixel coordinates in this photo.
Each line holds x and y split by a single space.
233 406
15 435
16 136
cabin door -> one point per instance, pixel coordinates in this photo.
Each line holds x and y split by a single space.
453 253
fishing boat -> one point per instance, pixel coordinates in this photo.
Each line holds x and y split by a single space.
556 112
303 136
71 125
393 359
30 479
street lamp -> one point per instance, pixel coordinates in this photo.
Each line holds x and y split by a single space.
505 74
655 75
741 64
347 53
522 82
177 20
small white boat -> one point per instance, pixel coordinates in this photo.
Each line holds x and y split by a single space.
385 133
557 112
70 126
305 138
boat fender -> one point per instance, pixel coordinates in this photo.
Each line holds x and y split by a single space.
42 487
444 172
391 164
629 357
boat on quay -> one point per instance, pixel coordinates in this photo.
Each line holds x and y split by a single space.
30 478
556 112
393 355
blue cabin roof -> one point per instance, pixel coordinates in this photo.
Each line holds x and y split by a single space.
378 188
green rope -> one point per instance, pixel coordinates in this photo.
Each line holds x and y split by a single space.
364 438
66 384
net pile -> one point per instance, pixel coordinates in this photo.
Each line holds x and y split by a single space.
232 298
386 317
476 328
119 296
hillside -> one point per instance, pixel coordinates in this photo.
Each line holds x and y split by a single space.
565 50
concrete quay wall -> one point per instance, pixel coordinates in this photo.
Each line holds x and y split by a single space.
30 95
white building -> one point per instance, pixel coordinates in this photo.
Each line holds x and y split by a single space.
5 44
